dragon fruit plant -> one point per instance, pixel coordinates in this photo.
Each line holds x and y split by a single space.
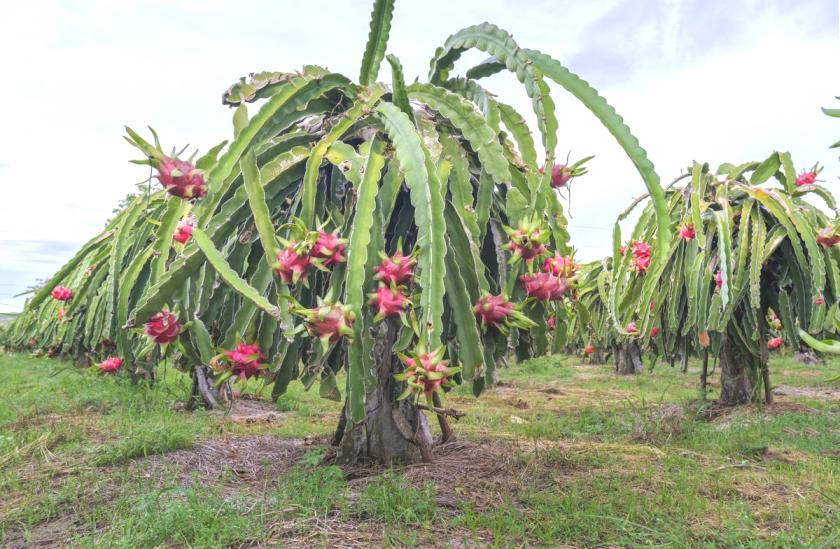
749 242
323 175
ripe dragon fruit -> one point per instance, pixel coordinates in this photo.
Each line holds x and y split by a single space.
641 256
60 293
397 269
631 328
544 286
183 231
163 327
806 178
828 237
292 264
328 249
654 331
527 241
560 266
425 373
180 178
328 322
719 279
560 176
496 311
388 301
551 323
819 301
686 232
110 365
245 360
589 350
774 343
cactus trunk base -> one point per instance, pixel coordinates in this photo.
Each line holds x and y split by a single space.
204 394
628 359
392 432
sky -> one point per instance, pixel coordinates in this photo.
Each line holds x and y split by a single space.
708 80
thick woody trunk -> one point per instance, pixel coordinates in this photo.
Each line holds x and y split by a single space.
392 432
736 378
628 359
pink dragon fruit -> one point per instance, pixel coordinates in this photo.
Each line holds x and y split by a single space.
328 322
641 256
544 286
388 301
819 301
425 373
183 231
396 270
245 360
328 248
163 327
180 178
806 178
631 328
527 241
686 232
110 365
493 310
654 331
551 323
775 343
560 175
60 293
292 264
828 237
589 350
719 279
559 265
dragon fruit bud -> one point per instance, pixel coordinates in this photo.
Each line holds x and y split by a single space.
60 314
589 349
806 178
388 301
544 286
654 331
292 265
246 360
180 178
719 279
329 322
775 343
551 323
828 237
60 293
328 248
183 231
560 175
397 270
687 232
110 365
163 327
631 328
493 310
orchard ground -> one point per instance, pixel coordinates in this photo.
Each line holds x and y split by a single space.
559 454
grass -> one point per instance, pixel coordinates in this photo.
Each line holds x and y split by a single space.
559 454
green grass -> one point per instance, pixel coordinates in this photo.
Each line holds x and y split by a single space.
582 458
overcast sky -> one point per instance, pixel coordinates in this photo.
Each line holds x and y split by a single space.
706 80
